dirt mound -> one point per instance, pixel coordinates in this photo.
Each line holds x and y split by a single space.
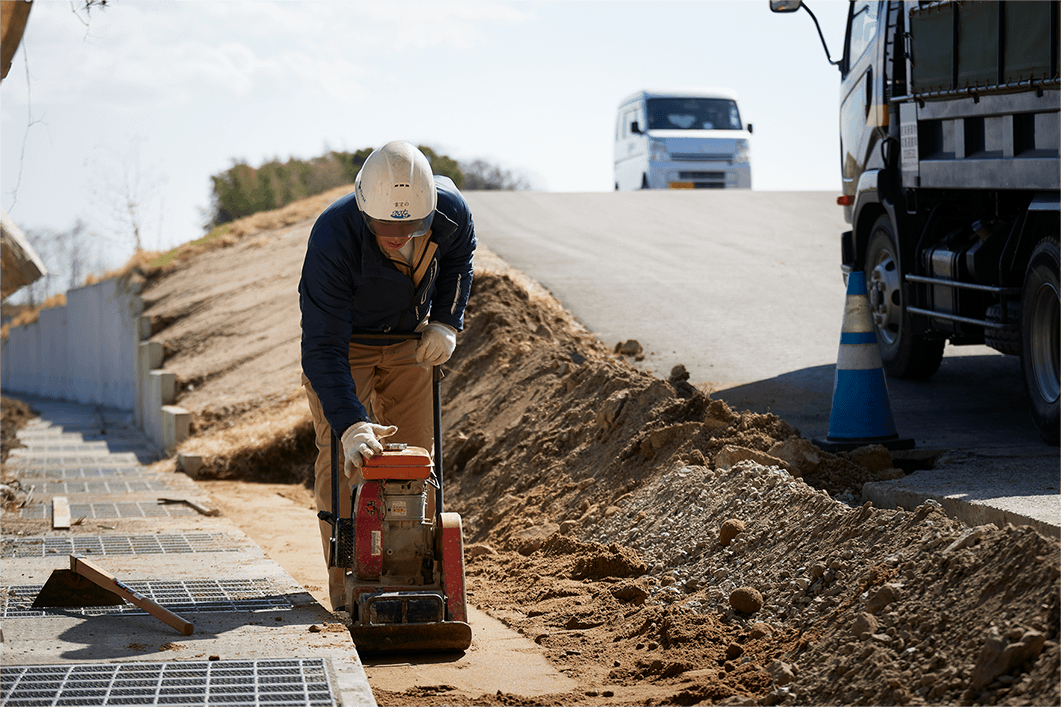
604 490
15 416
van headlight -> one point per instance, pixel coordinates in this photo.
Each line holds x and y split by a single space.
742 152
657 151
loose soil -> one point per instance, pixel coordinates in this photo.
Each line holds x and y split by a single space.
15 414
594 497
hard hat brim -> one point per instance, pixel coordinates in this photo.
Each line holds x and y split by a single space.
406 228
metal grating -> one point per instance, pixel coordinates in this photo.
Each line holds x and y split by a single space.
115 486
102 545
128 509
42 447
180 596
25 461
296 681
81 472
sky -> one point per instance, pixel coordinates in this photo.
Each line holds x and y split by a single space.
149 99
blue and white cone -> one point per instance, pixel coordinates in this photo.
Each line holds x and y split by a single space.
861 413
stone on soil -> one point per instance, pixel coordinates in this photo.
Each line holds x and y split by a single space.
746 600
731 454
800 454
730 530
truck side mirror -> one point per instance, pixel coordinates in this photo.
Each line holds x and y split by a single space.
784 5
750 131
635 128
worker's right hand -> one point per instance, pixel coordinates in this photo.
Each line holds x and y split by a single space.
362 441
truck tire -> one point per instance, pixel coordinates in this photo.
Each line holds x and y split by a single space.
904 354
1039 338
1005 340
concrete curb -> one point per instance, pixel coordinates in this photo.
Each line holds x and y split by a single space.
976 489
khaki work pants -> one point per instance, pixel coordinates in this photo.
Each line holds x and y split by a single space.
396 390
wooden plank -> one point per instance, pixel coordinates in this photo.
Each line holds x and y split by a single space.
108 581
60 513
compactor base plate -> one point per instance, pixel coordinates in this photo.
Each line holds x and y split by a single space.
444 637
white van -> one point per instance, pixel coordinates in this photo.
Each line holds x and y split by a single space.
682 140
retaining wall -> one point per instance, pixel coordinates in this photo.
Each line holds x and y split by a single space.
93 351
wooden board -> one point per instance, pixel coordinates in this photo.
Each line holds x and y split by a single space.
60 513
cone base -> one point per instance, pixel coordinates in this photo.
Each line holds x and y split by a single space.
842 444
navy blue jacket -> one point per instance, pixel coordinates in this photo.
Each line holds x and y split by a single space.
349 284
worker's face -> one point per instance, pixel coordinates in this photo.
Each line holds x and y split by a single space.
392 235
392 243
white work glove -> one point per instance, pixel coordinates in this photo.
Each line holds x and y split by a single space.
437 342
362 441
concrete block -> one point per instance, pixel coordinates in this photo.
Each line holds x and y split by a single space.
150 355
165 383
176 426
135 306
190 464
144 327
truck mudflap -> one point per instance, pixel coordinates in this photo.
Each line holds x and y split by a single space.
847 252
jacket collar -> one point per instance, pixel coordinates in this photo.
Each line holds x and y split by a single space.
442 227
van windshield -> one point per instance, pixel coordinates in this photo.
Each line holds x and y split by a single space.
693 114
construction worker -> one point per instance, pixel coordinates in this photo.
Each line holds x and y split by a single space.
393 256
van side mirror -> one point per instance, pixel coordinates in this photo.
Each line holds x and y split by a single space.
750 131
784 5
635 128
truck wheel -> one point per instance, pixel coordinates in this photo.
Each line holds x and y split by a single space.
1039 338
1005 340
903 353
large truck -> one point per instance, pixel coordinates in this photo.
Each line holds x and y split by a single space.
949 155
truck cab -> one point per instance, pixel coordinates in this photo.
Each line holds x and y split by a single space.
687 139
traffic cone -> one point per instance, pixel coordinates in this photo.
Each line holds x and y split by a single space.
861 413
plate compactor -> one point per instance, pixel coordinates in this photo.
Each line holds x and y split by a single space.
405 588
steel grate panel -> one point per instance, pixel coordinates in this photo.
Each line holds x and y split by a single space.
69 488
81 472
206 595
128 509
103 460
102 545
295 681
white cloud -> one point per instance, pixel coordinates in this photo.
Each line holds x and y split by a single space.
142 56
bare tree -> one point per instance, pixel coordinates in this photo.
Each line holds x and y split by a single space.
68 256
125 190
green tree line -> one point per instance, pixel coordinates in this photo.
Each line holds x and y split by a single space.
242 190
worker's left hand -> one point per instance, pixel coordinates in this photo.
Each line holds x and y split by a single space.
437 342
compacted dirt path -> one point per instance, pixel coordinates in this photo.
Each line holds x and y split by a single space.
638 541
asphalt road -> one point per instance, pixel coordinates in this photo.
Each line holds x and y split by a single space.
744 288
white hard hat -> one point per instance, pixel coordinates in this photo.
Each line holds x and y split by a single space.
395 186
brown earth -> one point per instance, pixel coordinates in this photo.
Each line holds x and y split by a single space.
15 414
593 497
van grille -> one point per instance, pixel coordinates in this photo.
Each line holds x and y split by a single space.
701 175
700 157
